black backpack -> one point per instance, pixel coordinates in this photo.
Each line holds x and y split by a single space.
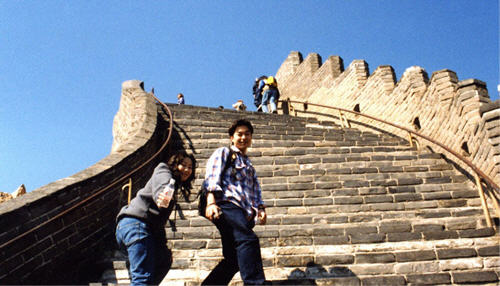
257 93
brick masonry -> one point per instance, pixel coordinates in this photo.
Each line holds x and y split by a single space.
458 114
39 244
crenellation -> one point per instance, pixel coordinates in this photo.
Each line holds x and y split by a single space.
289 66
450 111
312 63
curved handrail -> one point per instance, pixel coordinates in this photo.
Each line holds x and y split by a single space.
108 186
478 175
460 157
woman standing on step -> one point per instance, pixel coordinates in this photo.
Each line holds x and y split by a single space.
141 224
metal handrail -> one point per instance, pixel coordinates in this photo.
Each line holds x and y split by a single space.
108 186
478 173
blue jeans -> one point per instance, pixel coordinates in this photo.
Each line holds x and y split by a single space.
148 254
270 96
240 248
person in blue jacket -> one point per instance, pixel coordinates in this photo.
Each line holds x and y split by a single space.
141 224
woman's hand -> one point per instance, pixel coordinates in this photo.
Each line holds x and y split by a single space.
163 200
213 212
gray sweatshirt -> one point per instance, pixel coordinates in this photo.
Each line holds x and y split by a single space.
143 206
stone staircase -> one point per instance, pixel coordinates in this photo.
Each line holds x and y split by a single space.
345 207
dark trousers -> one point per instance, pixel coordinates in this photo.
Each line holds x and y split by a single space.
240 247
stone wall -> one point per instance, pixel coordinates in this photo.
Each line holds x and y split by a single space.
43 241
456 113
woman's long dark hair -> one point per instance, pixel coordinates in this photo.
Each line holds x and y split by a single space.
173 162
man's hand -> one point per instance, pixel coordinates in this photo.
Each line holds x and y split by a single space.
212 212
262 216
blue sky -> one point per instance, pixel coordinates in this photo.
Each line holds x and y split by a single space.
63 62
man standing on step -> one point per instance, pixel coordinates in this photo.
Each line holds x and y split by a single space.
234 205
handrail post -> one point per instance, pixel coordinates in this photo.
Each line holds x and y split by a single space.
290 107
129 186
413 141
483 200
495 204
343 120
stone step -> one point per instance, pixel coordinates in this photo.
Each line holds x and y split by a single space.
298 232
325 153
360 210
291 125
279 157
345 207
301 147
200 130
452 256
351 194
453 218
259 123
227 115
343 276
388 173
343 163
473 260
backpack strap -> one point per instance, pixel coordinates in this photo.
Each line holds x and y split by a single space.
230 158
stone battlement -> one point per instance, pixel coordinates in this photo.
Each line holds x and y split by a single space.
458 114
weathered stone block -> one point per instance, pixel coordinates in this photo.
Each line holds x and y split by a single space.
456 253
461 264
489 251
407 256
403 236
438 235
428 279
394 227
367 238
416 267
474 277
384 280
334 259
375 258
331 240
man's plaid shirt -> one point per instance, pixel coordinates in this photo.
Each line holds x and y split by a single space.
241 186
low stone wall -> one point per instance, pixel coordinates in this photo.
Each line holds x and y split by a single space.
43 240
458 114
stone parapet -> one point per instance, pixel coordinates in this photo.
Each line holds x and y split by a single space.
458 114
54 234
135 121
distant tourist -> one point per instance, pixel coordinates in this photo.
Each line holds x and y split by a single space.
257 92
180 98
271 95
239 105
140 226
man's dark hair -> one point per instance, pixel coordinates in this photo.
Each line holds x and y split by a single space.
240 122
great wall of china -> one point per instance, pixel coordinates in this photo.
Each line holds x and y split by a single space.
459 114
45 240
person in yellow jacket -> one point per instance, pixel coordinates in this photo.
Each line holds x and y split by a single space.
270 95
